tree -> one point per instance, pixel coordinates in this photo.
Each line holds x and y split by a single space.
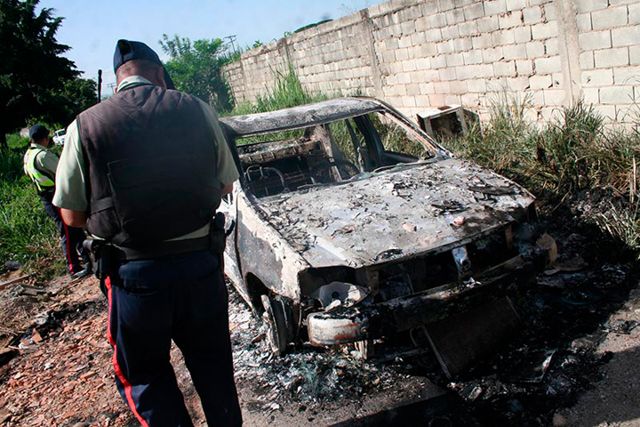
32 67
196 68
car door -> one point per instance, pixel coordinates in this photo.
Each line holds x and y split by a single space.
229 207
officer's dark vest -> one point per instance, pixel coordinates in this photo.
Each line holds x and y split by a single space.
151 164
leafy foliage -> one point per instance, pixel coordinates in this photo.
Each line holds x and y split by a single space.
196 68
32 70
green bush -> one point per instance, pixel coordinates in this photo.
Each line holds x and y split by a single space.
568 160
27 234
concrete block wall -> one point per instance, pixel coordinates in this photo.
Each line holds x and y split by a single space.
420 53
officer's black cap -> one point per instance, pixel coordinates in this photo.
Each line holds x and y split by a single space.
128 50
38 131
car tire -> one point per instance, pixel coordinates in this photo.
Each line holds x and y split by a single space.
279 319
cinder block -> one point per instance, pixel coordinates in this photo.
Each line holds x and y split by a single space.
445 47
433 35
408 27
514 51
482 41
586 60
548 65
522 34
583 20
438 61
492 55
402 54
408 66
468 28
510 19
597 78
626 36
445 5
404 42
634 13
503 37
462 44
518 84
595 40
540 82
616 95
473 11
495 7
454 59
611 57
516 4
418 39
634 55
590 95
488 24
551 46
627 76
450 32
554 96
606 111
544 31
532 15
436 20
422 25
427 87
454 16
472 57
408 101
590 5
477 85
427 50
535 49
524 67
609 18
505 69
458 87
550 11
441 87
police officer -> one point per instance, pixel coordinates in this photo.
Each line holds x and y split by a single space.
145 171
40 166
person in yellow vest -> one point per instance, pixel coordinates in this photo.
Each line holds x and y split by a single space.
40 166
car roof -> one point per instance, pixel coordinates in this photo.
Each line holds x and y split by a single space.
301 116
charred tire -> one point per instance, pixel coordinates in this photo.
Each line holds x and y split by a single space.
278 316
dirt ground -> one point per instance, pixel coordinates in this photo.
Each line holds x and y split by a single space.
580 318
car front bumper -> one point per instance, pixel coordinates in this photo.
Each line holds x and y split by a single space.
368 321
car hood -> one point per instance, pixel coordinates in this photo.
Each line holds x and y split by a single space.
398 213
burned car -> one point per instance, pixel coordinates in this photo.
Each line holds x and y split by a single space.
351 225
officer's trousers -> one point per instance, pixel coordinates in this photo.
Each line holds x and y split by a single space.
151 302
71 238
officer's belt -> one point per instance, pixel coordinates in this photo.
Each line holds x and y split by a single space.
172 247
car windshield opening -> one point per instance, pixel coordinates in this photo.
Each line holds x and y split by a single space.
327 154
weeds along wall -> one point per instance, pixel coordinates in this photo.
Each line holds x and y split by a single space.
420 53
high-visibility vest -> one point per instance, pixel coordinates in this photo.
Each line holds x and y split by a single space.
42 181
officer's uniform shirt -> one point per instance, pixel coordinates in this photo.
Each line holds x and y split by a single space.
45 160
72 171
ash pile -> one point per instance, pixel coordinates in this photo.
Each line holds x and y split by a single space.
306 375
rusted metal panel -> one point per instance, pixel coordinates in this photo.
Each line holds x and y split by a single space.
299 117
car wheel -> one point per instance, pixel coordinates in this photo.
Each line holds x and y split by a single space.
278 317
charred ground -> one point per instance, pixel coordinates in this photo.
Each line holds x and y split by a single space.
62 374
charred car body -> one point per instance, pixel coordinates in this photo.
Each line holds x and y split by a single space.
351 225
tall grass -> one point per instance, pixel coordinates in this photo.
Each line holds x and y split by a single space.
287 91
576 159
27 234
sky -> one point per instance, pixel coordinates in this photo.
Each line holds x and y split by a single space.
92 27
